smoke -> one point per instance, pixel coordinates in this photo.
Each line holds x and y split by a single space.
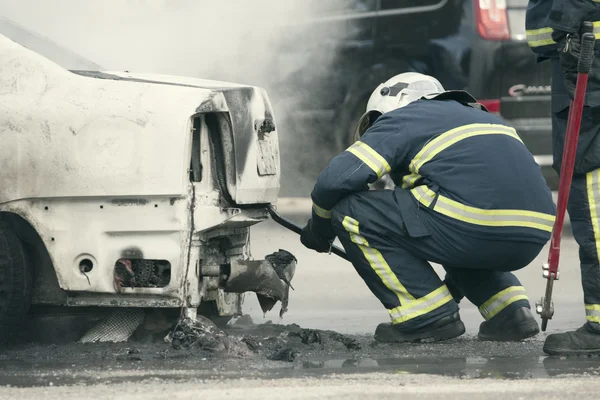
260 42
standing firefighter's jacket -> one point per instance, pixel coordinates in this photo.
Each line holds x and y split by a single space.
547 18
463 164
548 22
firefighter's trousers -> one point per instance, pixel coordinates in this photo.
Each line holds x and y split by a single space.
584 197
395 265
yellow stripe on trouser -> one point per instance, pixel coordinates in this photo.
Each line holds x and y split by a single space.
370 157
592 312
479 216
592 180
321 212
409 306
501 300
421 306
376 261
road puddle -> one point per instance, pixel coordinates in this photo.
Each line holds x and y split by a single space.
462 367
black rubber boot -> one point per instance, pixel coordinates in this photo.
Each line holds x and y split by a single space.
512 327
583 341
443 329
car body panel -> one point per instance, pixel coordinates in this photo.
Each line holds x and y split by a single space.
101 167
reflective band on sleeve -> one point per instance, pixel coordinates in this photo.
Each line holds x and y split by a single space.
543 36
377 262
422 306
501 300
370 157
540 37
321 212
455 135
478 216
592 312
408 181
593 193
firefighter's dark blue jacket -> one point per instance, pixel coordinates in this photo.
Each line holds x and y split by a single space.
546 22
463 164
545 16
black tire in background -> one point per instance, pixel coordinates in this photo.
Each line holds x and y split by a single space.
15 285
347 124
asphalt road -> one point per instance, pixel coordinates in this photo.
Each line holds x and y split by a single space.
328 295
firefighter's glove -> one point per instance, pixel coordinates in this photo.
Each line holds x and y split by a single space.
569 49
314 240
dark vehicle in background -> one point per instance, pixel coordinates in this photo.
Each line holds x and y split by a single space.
475 45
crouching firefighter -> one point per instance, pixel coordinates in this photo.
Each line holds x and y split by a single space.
469 196
553 33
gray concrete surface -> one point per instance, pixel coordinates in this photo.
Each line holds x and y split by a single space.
328 295
353 387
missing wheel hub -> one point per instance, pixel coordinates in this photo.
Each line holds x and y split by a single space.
136 273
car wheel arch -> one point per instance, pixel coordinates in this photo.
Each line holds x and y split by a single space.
45 286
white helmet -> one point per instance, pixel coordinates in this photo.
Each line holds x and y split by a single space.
395 93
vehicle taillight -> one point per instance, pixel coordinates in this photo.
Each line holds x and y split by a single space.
493 105
492 23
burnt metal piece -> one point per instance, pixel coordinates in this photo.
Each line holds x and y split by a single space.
135 273
283 354
269 279
308 336
280 260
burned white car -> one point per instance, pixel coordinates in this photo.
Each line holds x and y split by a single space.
132 190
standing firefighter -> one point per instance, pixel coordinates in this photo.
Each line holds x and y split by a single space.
553 33
468 196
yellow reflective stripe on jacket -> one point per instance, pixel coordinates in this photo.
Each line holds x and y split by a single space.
376 261
592 312
408 181
501 300
424 195
593 194
540 37
321 212
370 157
523 218
479 216
543 36
455 135
421 306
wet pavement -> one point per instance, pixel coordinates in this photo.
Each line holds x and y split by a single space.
330 298
462 358
504 367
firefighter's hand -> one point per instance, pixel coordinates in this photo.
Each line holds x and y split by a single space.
569 49
313 240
